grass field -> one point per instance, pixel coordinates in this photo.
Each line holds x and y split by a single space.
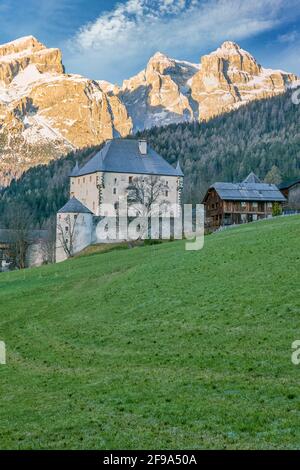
156 347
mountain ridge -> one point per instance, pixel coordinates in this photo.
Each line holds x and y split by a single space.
46 112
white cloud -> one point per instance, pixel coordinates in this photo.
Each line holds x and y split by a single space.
119 41
289 38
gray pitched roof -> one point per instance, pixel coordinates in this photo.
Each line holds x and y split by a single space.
252 178
248 192
123 156
178 168
75 170
74 206
289 184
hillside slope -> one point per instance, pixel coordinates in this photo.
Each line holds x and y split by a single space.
156 347
227 148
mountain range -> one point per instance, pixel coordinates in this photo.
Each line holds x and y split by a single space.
46 112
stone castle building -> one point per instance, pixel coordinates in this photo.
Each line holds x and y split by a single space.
97 188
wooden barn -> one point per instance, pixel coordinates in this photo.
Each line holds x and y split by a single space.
238 203
291 191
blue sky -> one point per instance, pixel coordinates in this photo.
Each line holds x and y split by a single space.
112 40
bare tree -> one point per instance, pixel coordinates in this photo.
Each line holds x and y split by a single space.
66 233
146 196
146 192
48 244
18 220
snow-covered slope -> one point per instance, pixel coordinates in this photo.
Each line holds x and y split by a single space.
160 94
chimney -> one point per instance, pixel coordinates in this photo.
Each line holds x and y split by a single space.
143 147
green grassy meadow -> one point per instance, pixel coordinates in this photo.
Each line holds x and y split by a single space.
156 347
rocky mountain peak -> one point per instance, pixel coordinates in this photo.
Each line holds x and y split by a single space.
27 43
45 113
230 77
17 55
159 63
230 47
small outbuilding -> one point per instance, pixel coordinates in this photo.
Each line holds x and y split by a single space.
291 191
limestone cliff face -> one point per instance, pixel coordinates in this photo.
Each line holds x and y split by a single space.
231 77
45 113
159 95
170 91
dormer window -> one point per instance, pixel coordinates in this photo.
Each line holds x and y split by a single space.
143 147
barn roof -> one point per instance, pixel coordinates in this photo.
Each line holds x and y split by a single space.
288 184
248 191
123 156
74 206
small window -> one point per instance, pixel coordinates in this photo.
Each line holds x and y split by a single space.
78 180
90 179
67 241
270 205
255 205
67 229
243 204
130 179
83 180
167 193
116 205
75 216
115 180
115 191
